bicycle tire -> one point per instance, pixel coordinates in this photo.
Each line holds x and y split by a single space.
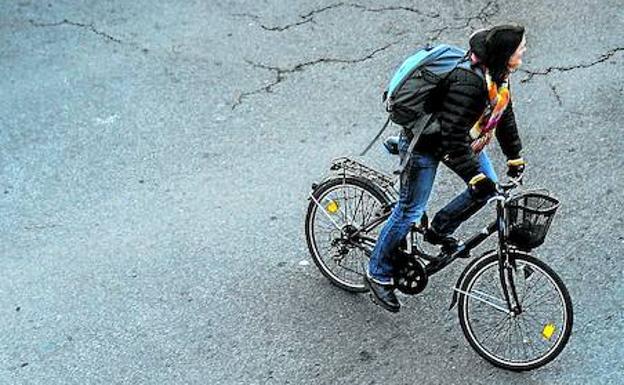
318 194
466 286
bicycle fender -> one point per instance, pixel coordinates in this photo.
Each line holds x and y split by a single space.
468 268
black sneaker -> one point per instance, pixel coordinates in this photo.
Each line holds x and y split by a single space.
383 295
448 242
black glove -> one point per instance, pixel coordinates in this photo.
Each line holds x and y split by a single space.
482 187
515 168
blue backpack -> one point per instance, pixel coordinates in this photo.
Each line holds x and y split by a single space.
417 88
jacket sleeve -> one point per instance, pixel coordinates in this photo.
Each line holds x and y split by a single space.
463 105
507 134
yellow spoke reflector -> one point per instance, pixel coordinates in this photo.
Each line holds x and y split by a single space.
332 207
548 331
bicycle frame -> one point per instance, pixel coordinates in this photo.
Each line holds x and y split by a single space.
506 259
470 244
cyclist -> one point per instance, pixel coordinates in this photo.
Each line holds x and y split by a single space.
472 112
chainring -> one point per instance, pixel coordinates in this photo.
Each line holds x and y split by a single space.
411 276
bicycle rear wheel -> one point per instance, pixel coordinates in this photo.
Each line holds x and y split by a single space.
344 205
521 341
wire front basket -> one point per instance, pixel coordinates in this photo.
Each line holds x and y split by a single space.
528 218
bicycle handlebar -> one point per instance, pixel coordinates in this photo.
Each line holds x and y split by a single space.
503 188
512 184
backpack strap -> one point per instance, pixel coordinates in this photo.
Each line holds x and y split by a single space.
415 135
477 69
383 128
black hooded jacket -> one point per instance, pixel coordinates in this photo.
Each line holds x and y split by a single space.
465 101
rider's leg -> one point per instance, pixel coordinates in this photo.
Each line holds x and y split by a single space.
448 219
416 183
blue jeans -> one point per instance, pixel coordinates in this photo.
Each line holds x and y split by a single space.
416 184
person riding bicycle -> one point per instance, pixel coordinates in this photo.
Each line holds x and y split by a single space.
472 112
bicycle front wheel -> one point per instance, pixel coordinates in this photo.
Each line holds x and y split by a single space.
512 341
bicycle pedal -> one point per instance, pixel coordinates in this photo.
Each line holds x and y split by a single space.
464 255
462 252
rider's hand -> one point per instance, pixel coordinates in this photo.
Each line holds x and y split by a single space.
515 168
481 186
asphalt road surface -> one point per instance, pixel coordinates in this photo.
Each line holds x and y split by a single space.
155 163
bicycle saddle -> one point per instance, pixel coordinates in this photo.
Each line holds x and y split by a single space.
392 145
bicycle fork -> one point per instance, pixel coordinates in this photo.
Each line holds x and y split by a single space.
506 264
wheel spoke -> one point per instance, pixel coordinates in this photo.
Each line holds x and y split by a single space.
498 346
530 285
495 328
357 206
539 299
529 341
522 341
369 214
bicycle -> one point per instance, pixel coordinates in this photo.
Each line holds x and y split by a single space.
514 310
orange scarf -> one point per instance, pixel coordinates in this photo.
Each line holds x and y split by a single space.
483 130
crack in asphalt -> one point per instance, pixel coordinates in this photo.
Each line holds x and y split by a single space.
309 17
276 28
554 90
280 73
488 10
605 320
89 27
491 8
40 226
483 15
604 57
431 15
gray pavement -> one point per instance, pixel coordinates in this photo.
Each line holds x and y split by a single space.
156 158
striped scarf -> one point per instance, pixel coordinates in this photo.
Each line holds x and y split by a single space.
483 130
